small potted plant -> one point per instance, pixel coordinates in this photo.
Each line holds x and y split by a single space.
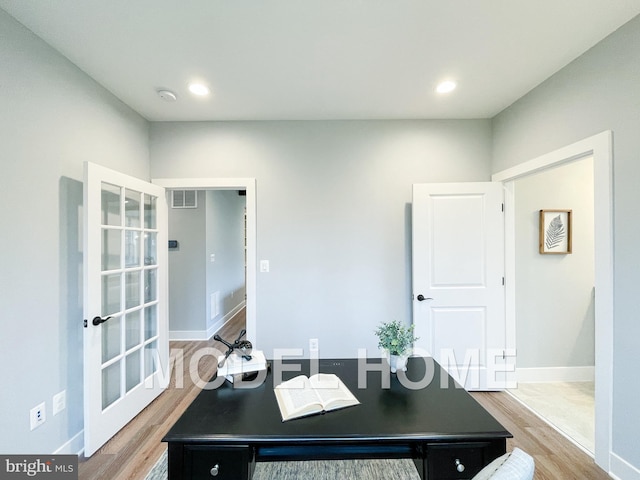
396 340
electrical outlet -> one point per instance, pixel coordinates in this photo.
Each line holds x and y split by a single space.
313 344
38 415
59 402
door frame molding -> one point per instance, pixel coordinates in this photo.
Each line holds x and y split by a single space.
249 185
600 146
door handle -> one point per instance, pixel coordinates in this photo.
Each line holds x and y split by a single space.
98 320
422 298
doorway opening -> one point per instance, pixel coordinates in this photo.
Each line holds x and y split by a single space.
555 323
235 185
207 260
600 147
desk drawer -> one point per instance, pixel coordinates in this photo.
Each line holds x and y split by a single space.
457 461
203 462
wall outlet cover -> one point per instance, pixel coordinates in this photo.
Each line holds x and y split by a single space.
38 415
59 402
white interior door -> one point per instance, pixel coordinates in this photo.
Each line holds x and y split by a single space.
458 279
126 344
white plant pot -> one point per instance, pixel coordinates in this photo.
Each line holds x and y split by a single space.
398 362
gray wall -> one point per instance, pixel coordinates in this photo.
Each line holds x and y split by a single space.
333 212
53 118
224 240
599 91
187 267
215 227
554 293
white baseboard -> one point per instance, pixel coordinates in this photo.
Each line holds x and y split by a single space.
222 322
187 335
622 470
555 374
75 445
198 335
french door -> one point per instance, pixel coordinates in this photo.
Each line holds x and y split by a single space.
126 344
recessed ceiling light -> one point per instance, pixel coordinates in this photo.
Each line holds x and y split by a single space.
198 89
446 86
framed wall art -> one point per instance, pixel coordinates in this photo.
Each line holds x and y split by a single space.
555 231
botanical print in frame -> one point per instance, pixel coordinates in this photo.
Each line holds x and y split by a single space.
555 231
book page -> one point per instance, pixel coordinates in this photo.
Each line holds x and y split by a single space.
296 397
332 391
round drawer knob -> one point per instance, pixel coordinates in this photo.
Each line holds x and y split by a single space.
215 470
459 465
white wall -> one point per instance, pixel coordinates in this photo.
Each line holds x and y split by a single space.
597 92
554 293
53 118
333 208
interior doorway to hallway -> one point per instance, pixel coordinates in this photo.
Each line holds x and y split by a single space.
207 260
600 146
248 185
555 321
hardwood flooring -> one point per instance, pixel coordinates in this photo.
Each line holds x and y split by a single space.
133 451
555 456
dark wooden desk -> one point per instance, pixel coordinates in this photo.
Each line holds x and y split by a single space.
444 430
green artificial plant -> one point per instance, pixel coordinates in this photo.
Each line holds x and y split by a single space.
395 337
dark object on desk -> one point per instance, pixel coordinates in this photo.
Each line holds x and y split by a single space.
441 427
244 347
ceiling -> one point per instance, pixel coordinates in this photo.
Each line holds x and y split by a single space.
321 59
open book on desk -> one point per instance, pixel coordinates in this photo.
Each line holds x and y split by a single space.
302 396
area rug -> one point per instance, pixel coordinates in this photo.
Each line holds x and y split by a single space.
403 469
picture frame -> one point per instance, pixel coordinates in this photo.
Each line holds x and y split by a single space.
555 232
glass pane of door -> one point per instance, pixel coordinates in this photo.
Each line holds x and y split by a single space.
110 204
132 287
110 384
149 211
111 248
133 369
132 208
133 329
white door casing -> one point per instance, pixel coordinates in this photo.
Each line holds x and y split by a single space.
126 344
600 146
458 280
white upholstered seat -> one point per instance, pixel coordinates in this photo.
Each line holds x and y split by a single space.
515 465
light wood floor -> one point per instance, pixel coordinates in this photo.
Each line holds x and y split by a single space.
136 448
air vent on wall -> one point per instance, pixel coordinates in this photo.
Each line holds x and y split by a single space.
184 199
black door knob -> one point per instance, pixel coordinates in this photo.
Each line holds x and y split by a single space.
422 298
98 320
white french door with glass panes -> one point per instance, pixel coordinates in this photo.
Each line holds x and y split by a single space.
126 344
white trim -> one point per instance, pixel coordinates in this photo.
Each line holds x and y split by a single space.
555 374
73 446
249 185
188 335
621 469
600 146
199 335
223 321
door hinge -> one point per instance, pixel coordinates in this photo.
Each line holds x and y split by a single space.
503 207
503 281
